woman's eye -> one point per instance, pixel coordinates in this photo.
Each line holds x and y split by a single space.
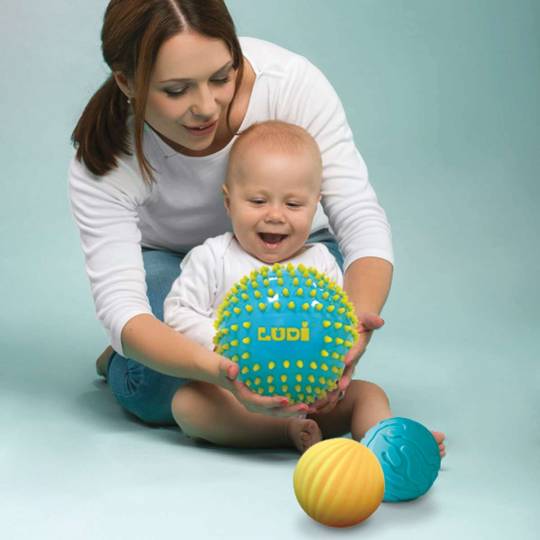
223 80
176 93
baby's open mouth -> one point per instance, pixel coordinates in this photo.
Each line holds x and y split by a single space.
273 239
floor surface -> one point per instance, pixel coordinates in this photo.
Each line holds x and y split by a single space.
442 98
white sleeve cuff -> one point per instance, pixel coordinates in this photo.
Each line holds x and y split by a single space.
115 334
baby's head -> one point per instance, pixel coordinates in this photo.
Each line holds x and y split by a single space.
272 189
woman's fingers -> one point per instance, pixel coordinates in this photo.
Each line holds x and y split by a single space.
266 402
228 369
344 382
292 410
326 404
272 405
232 371
279 405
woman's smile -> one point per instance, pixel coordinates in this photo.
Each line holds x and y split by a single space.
203 130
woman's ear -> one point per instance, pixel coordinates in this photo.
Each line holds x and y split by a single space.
226 198
123 84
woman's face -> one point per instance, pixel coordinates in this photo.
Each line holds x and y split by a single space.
191 87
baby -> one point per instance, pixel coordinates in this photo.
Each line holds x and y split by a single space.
271 194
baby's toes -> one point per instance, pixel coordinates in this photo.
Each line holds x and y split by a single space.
439 436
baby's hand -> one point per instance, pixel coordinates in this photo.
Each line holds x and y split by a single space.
253 402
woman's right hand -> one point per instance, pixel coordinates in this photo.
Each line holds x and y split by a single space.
253 402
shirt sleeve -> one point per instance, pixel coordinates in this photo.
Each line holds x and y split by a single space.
188 308
105 211
348 199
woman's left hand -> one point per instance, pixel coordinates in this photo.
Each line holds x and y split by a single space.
367 322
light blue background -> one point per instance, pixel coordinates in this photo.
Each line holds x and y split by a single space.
443 100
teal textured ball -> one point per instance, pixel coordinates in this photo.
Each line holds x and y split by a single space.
289 329
408 454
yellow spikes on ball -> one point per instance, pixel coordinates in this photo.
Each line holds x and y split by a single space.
294 319
339 482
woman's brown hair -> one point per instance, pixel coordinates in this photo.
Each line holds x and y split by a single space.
132 34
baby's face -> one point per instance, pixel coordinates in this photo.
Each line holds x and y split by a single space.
272 198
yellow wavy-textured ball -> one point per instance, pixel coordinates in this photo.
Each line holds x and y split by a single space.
339 482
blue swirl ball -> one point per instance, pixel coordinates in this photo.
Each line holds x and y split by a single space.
408 454
289 329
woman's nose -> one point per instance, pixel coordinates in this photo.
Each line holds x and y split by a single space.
204 104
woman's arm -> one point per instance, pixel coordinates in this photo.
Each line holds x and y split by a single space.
156 345
356 218
105 211
153 343
367 283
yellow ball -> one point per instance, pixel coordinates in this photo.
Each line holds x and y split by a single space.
339 482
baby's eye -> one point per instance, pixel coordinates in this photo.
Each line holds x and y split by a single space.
294 204
257 201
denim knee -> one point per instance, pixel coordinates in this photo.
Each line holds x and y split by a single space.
143 392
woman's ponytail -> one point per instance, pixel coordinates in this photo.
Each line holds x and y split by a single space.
101 132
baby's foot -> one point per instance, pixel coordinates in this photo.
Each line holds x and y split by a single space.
303 433
440 438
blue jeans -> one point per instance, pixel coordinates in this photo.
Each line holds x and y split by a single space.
146 393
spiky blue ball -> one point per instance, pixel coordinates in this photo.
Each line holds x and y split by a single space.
289 328
408 454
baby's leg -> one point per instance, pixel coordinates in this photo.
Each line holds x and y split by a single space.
364 405
209 412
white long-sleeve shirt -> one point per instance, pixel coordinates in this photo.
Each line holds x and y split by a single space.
208 273
118 213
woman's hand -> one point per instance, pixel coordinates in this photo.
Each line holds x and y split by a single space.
253 402
367 322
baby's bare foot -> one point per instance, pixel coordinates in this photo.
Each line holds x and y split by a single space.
440 438
303 433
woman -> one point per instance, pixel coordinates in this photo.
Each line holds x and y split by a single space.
152 147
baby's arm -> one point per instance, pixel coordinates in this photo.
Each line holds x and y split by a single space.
188 308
